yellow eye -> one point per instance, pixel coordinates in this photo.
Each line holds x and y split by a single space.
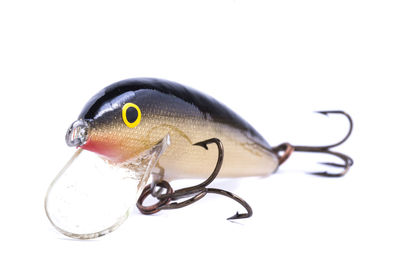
131 115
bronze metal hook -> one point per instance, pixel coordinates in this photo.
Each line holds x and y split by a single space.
348 161
198 191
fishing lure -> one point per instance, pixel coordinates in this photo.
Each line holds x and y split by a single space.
142 129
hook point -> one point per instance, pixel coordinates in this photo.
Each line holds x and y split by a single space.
236 216
333 164
327 112
202 144
326 174
239 216
322 112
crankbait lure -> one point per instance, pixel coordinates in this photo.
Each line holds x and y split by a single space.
142 129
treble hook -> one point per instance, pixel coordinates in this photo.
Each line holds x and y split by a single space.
288 149
198 191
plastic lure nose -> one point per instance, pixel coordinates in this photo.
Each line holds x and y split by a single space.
77 134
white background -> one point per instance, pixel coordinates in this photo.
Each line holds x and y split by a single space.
274 62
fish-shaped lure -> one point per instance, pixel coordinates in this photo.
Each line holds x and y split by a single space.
150 128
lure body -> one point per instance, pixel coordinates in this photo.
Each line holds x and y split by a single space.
135 126
186 116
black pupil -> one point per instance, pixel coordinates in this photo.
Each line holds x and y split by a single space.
131 114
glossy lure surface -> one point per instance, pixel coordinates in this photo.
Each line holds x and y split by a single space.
158 108
150 125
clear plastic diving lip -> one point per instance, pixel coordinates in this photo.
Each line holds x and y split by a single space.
91 197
